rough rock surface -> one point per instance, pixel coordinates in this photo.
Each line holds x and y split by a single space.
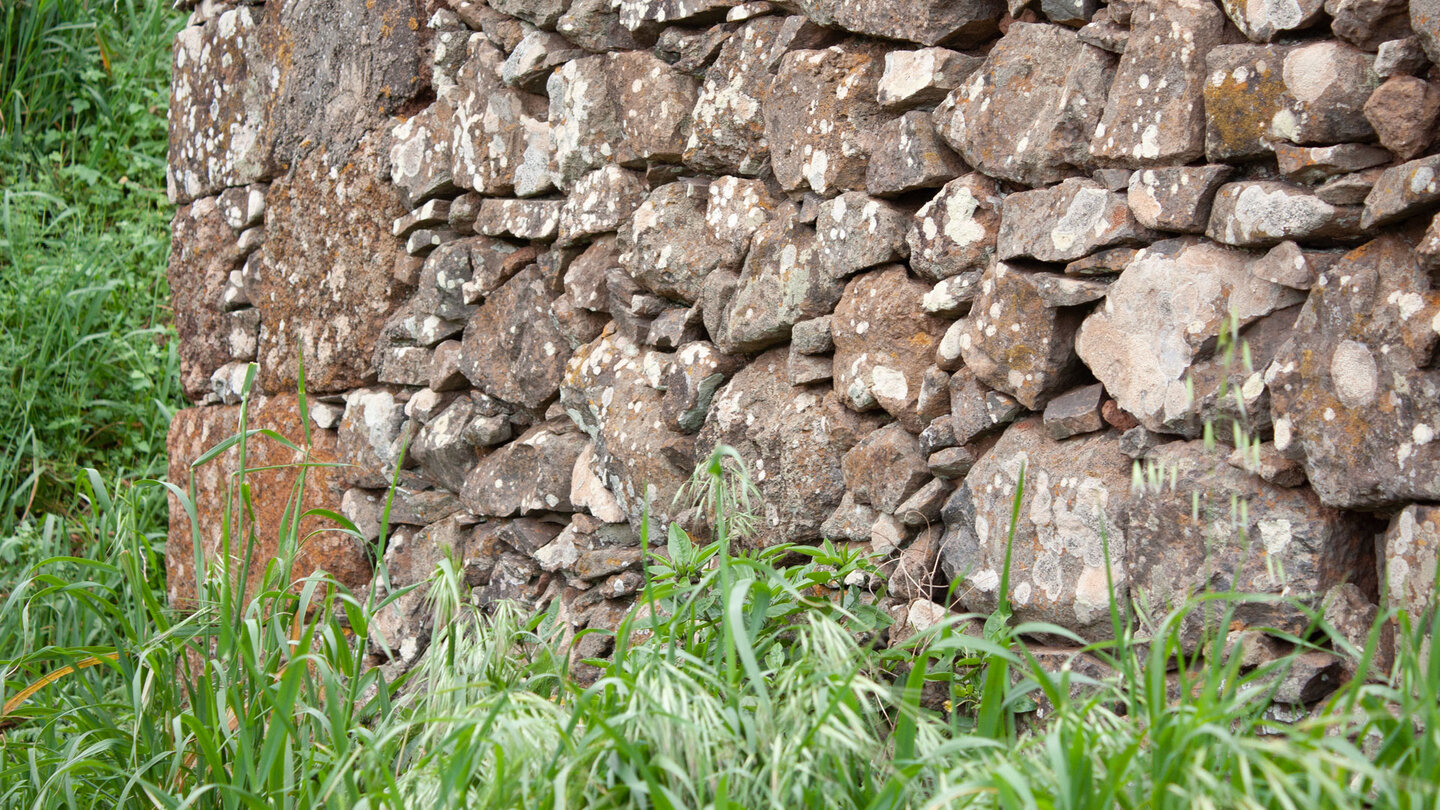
884 341
821 115
1033 362
1071 515
194 432
957 229
794 440
1027 115
1352 392
1158 325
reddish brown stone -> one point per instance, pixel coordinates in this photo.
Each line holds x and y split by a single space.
195 431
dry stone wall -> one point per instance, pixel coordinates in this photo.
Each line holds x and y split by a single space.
544 255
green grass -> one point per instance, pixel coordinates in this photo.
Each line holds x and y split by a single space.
744 680
87 366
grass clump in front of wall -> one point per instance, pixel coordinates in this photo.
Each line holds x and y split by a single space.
739 680
88 372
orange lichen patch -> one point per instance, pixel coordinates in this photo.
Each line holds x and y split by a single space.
1241 101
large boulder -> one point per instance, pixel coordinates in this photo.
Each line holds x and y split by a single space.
1187 537
1072 514
1152 343
1354 395
792 438
1027 115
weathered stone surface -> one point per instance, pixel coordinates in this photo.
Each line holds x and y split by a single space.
327 229
728 135
1155 114
957 230
783 282
1066 222
1105 33
1287 264
600 202
1409 551
500 142
203 256
608 394
1175 198
821 117
672 247
909 155
1075 412
884 341
512 349
1265 461
1352 394
855 232
442 450
595 26
543 13
793 440
951 297
693 375
369 437
1312 164
521 219
928 22
634 14
1425 22
1263 22
1403 111
1260 213
588 490
1349 189
737 209
922 77
850 521
540 52
594 112
528 475
195 431
1400 57
1186 539
420 157
1158 326
1403 191
885 468
213 141
1027 115
1308 94
1074 504
1032 362
1367 24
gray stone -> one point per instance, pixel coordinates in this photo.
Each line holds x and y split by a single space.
729 131
369 437
793 439
420 156
1175 198
804 369
510 353
672 247
922 77
851 521
885 469
1158 363
500 141
854 232
1260 213
1312 164
884 342
528 475
909 155
1263 22
821 117
691 379
1287 264
956 231
950 463
1403 191
521 219
976 409
1285 542
951 297
1403 112
1367 24
1353 394
441 448
529 65
812 336
1349 189
1075 412
589 102
601 201
1400 57
1155 115
1032 362
928 22
783 282
1027 115
1071 517
1066 222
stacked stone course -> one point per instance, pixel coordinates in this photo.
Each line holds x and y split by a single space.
544 255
